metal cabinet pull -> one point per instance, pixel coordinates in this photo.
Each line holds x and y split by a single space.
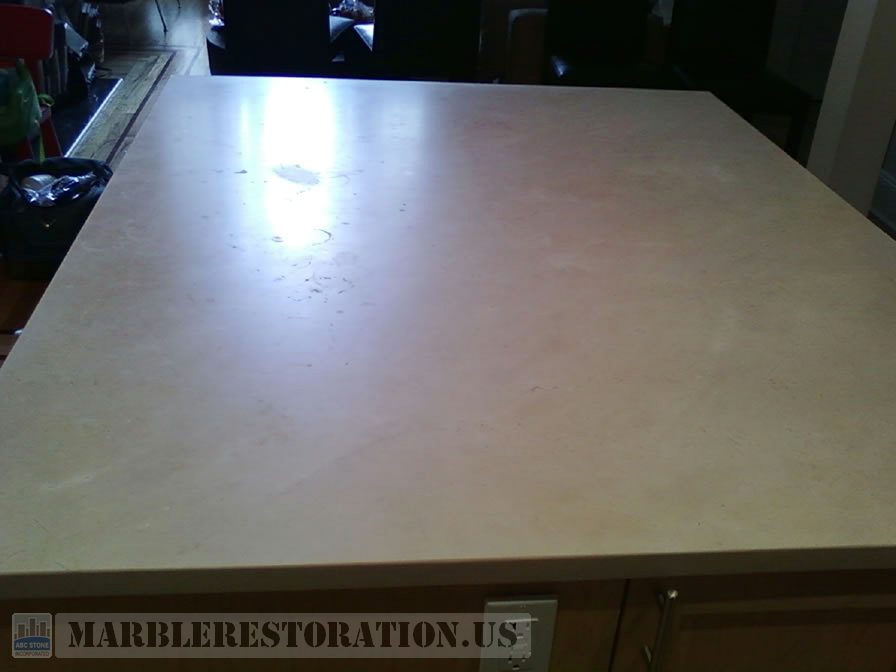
667 600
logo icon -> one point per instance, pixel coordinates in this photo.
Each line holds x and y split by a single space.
32 635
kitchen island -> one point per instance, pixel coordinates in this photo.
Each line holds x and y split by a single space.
343 345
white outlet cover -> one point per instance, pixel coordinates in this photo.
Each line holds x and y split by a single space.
543 611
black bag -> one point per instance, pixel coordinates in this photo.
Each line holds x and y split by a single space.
37 227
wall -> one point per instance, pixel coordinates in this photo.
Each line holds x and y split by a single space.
804 40
859 110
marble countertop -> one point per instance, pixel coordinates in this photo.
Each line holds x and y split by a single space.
353 333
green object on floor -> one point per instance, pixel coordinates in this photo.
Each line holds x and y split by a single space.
19 105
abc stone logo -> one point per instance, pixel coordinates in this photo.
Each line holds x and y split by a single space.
32 635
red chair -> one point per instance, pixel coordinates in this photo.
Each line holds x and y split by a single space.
27 33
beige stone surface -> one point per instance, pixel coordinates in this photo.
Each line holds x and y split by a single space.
358 333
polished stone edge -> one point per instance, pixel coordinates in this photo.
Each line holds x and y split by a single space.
472 572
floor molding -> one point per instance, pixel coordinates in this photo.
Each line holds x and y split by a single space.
140 72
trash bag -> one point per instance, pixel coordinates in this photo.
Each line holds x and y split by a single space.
42 208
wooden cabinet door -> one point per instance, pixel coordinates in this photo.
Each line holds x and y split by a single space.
584 632
819 622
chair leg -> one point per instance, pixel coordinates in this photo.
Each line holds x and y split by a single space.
161 16
50 139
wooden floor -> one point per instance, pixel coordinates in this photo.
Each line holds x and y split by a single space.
143 55
136 25
137 47
17 300
139 74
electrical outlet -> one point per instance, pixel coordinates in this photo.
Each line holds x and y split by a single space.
532 650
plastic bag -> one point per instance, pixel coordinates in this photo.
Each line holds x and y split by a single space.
216 13
355 10
19 106
61 190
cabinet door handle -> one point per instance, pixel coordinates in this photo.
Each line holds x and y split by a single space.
667 600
